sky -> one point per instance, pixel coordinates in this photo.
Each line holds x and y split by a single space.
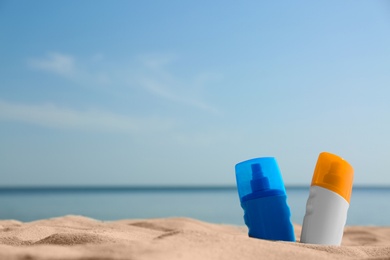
178 92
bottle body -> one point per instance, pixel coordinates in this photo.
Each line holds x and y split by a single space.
268 218
325 218
263 198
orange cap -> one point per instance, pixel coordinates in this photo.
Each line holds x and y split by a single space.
334 173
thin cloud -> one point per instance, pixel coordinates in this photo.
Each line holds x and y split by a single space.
50 115
159 90
161 83
55 62
157 61
150 73
82 72
208 138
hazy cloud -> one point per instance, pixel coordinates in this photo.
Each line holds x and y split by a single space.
91 120
83 72
158 89
151 72
157 61
55 62
161 82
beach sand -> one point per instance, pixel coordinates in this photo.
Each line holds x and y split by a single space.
77 237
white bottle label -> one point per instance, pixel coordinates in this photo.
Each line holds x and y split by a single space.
325 218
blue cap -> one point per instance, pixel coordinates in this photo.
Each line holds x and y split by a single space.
259 177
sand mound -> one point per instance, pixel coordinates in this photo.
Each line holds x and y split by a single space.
76 237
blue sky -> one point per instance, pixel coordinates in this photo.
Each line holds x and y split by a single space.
178 92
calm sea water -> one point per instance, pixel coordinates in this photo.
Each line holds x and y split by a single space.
369 206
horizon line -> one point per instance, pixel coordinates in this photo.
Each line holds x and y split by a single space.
143 188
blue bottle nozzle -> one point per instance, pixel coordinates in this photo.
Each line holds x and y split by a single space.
259 182
259 177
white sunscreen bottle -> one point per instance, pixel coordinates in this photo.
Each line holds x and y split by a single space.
328 203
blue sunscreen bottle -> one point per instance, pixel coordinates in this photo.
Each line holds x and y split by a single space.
264 200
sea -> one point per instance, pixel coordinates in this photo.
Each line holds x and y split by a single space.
369 205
